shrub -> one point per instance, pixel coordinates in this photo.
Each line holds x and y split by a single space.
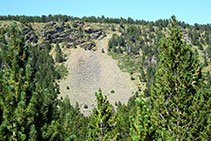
112 91
75 25
85 106
132 78
103 51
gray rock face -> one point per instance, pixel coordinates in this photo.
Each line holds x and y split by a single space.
53 32
88 46
90 30
30 36
97 35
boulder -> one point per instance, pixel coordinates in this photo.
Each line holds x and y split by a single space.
97 35
90 30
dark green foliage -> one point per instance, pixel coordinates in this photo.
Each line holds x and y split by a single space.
103 51
28 96
122 127
129 44
112 91
143 125
58 54
150 78
142 76
61 71
132 78
208 52
113 28
25 106
73 123
42 67
74 45
208 80
123 113
75 25
85 106
102 121
178 100
205 60
48 45
161 23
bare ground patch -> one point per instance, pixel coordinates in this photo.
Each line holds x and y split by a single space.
91 70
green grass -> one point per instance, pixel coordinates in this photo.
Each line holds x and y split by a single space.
127 63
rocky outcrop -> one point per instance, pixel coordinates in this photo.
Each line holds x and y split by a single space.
97 35
88 46
90 30
54 32
30 35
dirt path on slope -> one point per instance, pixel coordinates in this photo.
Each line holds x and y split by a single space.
91 70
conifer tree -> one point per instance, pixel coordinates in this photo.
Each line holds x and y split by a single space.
26 109
15 88
178 100
122 126
102 121
142 126
59 57
74 122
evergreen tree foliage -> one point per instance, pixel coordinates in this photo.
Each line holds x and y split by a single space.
59 57
142 126
122 126
102 121
208 80
27 110
42 67
74 123
142 76
14 87
178 100
17 98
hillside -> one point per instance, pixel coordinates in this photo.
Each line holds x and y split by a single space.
129 59
91 70
154 76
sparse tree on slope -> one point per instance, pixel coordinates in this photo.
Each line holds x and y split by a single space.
178 99
59 57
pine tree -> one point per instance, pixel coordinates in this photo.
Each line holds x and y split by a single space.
15 85
205 61
59 57
178 100
25 108
73 121
142 126
122 126
102 120
142 76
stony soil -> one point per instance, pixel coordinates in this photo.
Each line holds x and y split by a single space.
91 70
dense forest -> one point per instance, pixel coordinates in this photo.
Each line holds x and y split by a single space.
170 57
